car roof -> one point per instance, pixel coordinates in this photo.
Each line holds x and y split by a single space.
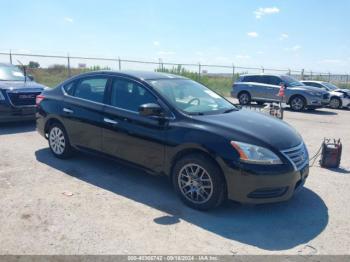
6 64
313 81
263 74
143 75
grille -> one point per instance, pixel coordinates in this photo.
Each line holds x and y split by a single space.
268 192
298 156
325 96
23 99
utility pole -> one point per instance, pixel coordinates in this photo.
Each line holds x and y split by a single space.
10 56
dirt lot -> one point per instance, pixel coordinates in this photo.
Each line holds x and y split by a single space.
88 205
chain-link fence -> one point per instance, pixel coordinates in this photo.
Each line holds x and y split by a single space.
53 69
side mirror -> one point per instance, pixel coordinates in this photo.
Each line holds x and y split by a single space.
31 78
284 84
150 109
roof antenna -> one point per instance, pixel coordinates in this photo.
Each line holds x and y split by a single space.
24 71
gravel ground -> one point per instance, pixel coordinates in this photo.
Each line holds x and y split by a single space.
89 205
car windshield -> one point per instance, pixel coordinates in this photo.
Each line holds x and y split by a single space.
290 81
191 97
330 86
10 73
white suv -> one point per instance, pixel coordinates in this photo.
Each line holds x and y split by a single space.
339 97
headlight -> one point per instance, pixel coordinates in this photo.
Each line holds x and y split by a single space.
1 96
255 154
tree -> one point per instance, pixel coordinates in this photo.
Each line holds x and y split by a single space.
33 64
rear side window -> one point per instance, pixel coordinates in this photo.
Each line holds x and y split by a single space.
252 79
69 88
92 89
312 84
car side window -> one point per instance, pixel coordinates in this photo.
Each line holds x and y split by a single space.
251 79
312 84
129 95
271 80
69 88
258 79
274 80
92 89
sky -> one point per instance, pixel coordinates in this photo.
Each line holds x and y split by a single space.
311 35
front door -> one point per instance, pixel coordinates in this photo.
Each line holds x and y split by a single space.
271 87
127 134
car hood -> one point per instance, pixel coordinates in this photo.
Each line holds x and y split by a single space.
309 88
254 128
347 91
20 85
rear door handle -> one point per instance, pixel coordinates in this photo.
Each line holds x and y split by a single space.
67 110
110 121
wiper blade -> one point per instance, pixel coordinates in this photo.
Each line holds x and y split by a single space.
230 110
196 113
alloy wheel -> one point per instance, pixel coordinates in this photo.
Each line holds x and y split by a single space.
57 140
334 103
297 103
244 99
195 183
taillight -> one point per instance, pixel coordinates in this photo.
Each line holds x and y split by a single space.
38 99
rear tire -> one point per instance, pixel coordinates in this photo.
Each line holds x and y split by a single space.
335 103
244 98
198 182
297 103
59 141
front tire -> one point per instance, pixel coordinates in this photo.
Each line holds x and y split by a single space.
198 182
335 103
59 141
297 103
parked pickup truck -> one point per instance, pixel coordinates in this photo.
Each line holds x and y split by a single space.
263 88
17 94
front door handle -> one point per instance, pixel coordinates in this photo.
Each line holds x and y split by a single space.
67 110
110 121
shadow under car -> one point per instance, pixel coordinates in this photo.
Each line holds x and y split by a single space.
270 226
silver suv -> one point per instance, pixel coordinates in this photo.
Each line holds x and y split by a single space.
264 88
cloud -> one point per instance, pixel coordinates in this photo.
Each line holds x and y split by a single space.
253 34
293 48
166 53
260 52
68 19
265 11
332 61
284 36
156 43
242 56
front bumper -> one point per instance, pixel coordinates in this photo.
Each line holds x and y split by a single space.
254 188
346 102
9 113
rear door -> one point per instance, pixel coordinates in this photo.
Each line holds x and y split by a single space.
260 88
127 134
83 111
252 85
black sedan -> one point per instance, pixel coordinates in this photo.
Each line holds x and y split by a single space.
17 94
167 124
